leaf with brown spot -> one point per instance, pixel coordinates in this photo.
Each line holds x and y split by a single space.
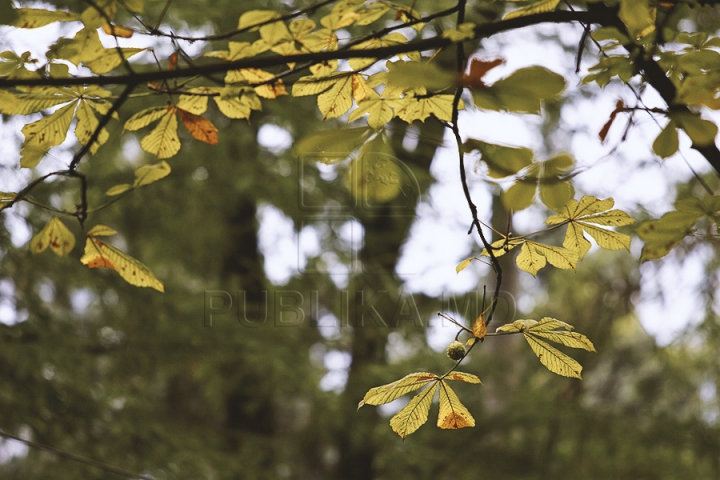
453 414
56 236
101 255
199 127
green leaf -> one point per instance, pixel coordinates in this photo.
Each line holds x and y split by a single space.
412 75
702 132
520 195
666 144
638 16
523 91
331 146
502 161
374 176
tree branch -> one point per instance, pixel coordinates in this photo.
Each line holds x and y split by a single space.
77 458
481 31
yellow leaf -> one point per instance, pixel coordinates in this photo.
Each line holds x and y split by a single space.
553 359
101 255
6 198
118 189
240 105
517 326
393 391
256 17
583 216
607 238
83 47
420 108
548 323
539 7
463 265
101 231
48 131
33 100
556 256
575 240
255 76
378 108
361 90
479 329
530 260
117 31
163 141
109 59
199 127
453 414
93 17
56 236
86 125
36 17
414 414
31 156
196 104
148 174
569 339
311 86
338 100
502 246
143 118
463 377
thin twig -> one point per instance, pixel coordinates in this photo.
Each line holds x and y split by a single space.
77 458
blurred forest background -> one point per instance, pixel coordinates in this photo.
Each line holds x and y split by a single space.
134 378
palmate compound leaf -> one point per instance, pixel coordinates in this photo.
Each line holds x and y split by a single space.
98 254
453 414
54 235
585 216
555 331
